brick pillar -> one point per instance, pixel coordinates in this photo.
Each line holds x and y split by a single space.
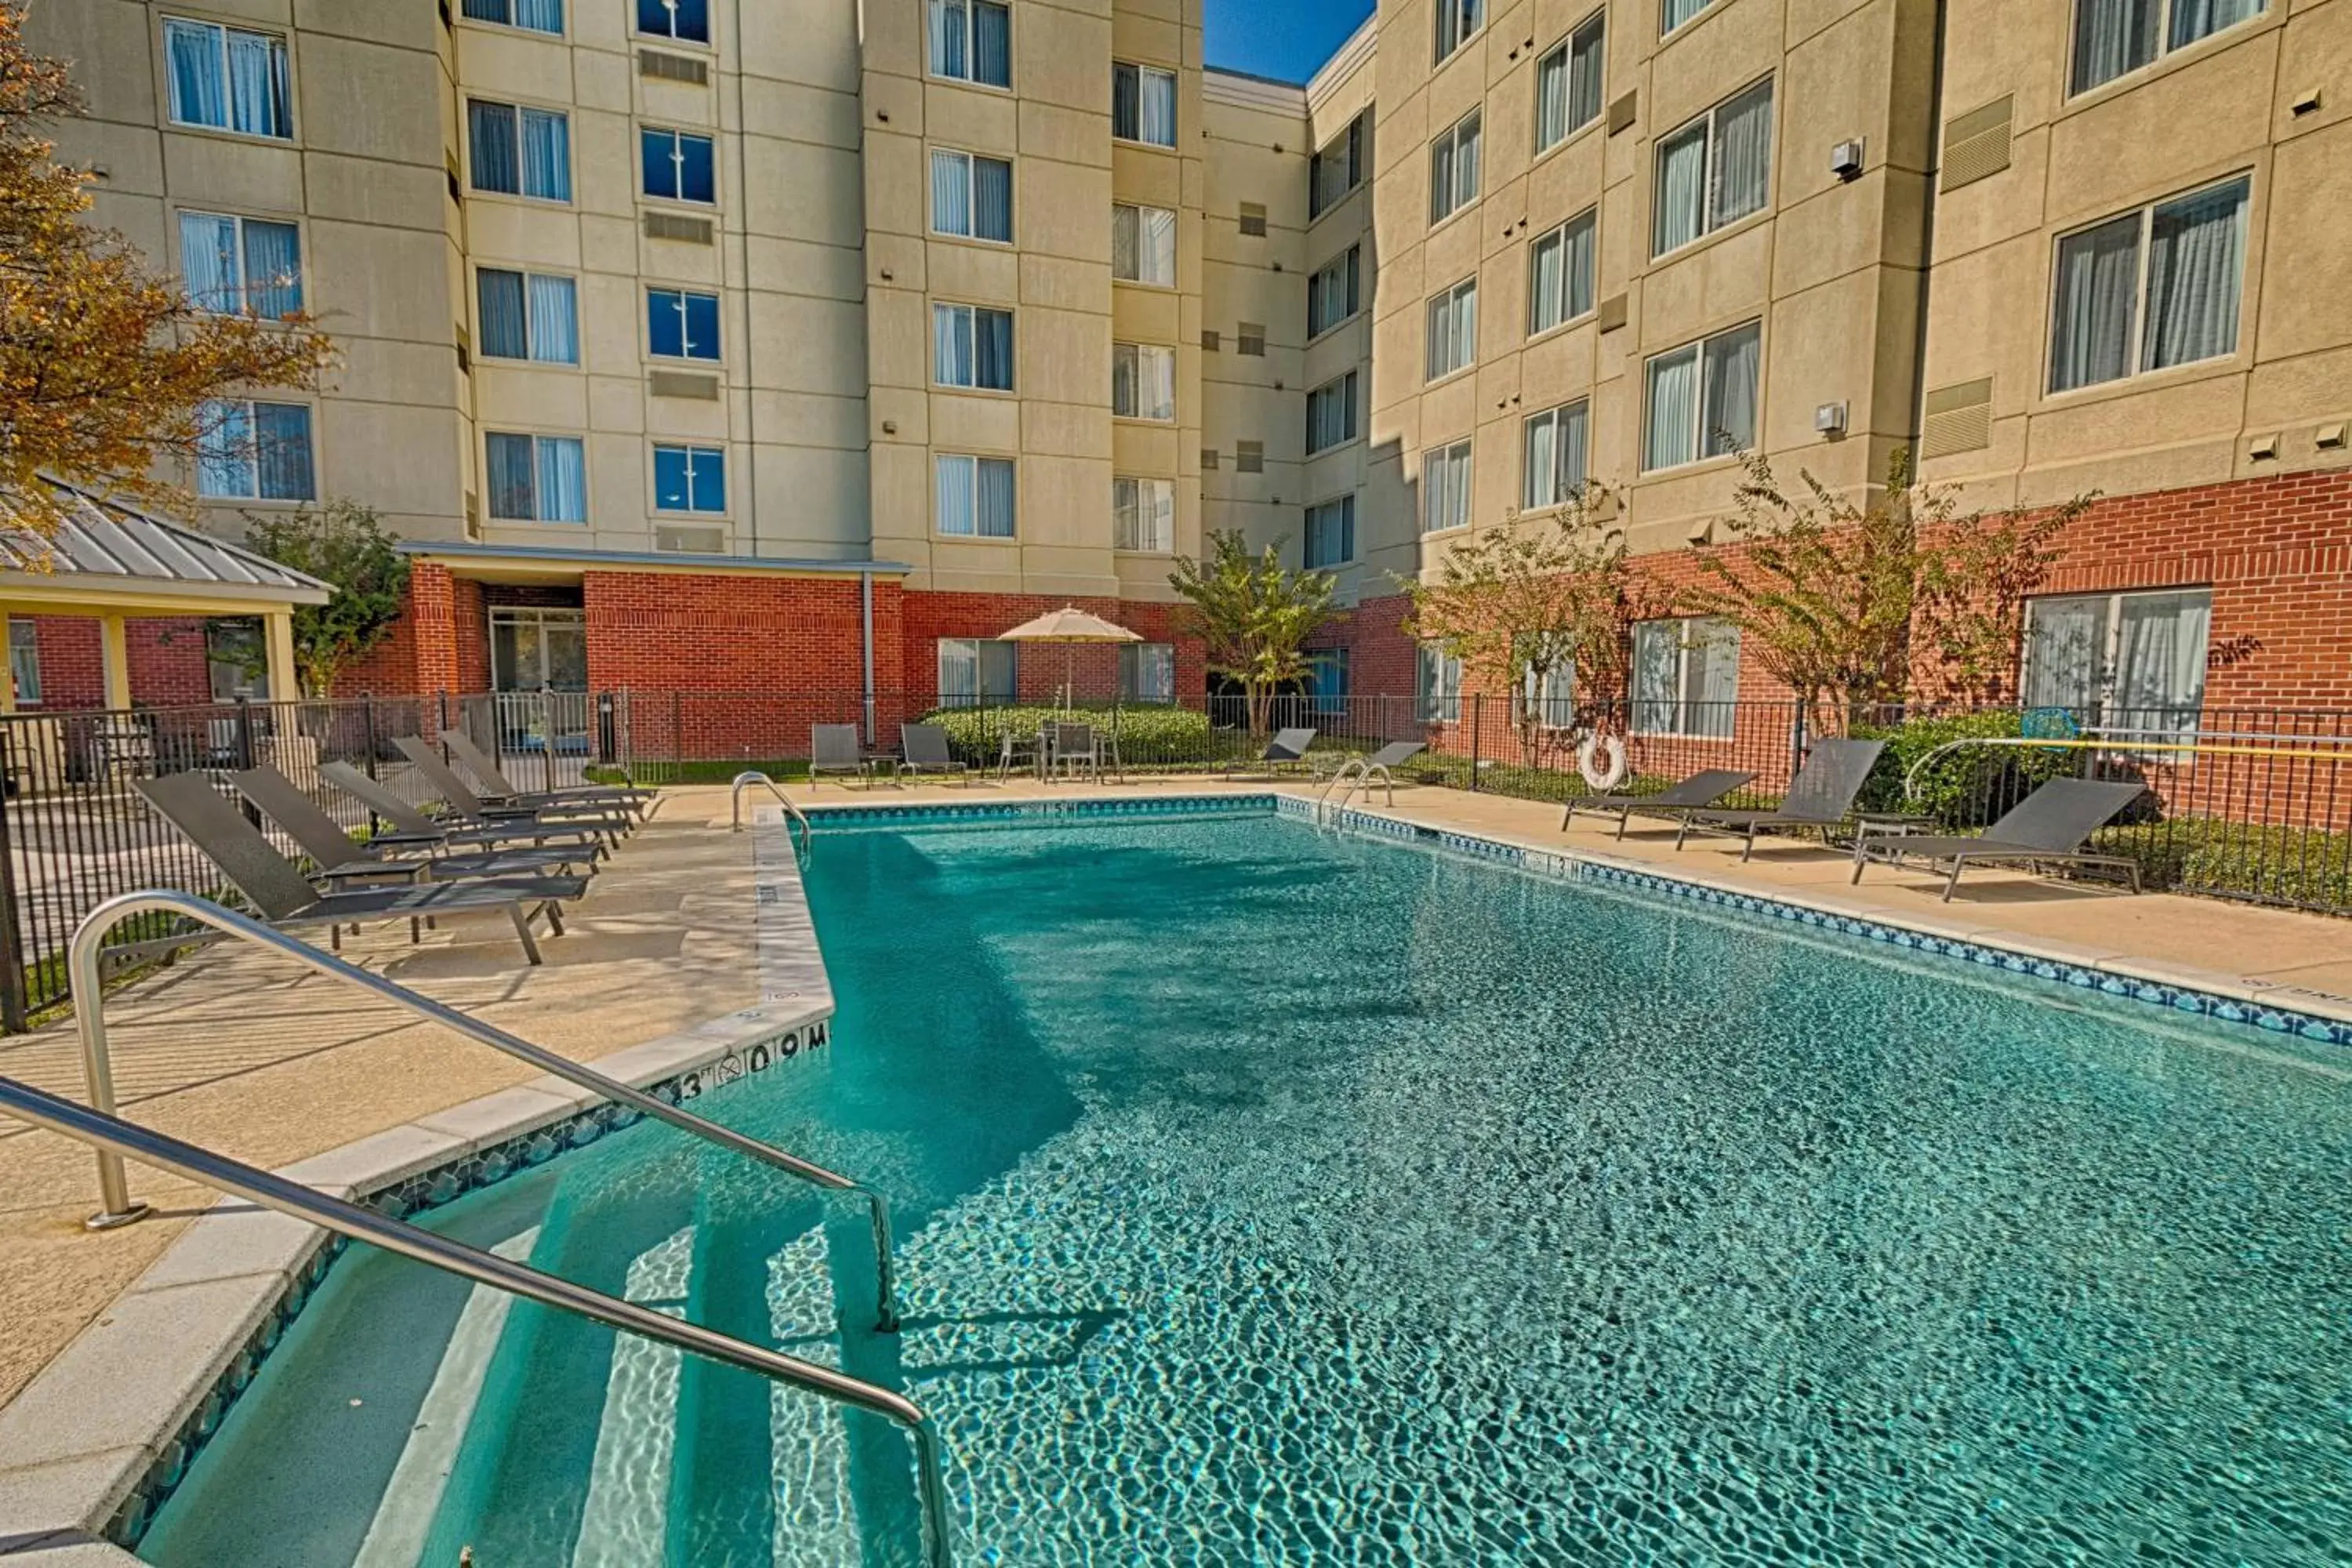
433 614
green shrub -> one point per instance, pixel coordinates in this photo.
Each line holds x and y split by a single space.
1148 737
2207 855
1967 786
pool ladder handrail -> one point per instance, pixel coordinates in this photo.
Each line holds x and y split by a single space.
750 776
116 1138
98 1067
1357 775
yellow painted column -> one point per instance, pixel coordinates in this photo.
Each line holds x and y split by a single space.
280 627
7 676
114 649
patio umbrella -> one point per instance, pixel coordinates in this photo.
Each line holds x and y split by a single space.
1069 626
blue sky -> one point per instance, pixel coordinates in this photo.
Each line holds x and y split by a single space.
1284 38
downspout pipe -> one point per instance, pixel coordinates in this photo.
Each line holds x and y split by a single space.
1928 241
866 617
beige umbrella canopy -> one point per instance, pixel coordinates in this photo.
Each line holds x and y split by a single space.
1069 626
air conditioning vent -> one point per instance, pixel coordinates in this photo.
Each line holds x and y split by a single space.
673 225
1253 219
679 384
1209 459
1249 457
1612 313
1249 338
677 540
665 67
1960 419
1621 113
1976 145
1209 339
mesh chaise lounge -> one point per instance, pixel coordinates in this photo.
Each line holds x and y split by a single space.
341 859
2046 829
1288 746
502 791
928 752
1819 797
1701 789
466 806
412 829
838 749
282 896
1376 766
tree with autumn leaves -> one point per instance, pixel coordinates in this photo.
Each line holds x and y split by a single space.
106 368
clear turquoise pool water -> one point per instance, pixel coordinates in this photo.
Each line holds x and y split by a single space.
1267 1198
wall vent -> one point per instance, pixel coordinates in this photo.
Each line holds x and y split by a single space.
680 540
1612 313
1209 339
665 67
456 180
680 384
1249 457
1249 338
1209 459
465 350
674 225
1976 145
1621 113
1253 218
1960 419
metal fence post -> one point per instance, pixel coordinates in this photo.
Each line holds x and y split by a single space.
245 753
14 1012
1477 711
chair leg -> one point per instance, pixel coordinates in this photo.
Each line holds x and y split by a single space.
1624 820
522 931
1959 863
416 931
554 916
1682 830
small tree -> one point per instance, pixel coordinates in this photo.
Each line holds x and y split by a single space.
343 543
1253 616
106 368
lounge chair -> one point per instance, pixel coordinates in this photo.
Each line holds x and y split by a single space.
2046 829
1376 766
1819 797
1288 746
282 896
502 791
412 829
1701 789
463 804
836 749
339 860
927 753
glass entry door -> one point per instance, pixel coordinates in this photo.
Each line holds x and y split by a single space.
534 649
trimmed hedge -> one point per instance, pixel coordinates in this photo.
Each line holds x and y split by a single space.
1148 737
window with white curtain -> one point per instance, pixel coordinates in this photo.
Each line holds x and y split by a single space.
970 40
1685 676
1437 685
520 151
1143 104
2116 37
1714 171
1569 84
1454 167
1143 244
2132 661
532 15
1143 514
686 20
1147 672
528 315
974 670
972 196
1335 291
1446 487
677 165
1453 329
2150 288
1143 381
241 266
689 478
1673 14
1336 169
1331 414
1327 681
1702 399
228 78
536 478
1560 274
681 323
1549 697
248 451
25 660
975 496
971 345
1331 538
1555 449
1457 20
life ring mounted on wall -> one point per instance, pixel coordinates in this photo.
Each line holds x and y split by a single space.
1601 760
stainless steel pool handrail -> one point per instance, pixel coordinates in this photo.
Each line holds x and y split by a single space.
750 776
1361 778
98 1066
117 1139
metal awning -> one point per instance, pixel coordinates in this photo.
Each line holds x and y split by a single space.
106 558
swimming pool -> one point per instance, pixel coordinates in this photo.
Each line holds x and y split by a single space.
1269 1197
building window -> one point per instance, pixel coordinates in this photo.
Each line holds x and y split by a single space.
972 196
532 15
1446 487
1327 681
1714 171
1249 338
1453 168
678 166
1143 244
1334 292
681 324
1453 329
975 495
528 315
1336 169
1555 455
537 478
971 40
1559 275
25 660
1142 382
2153 288
1457 20
1147 672
971 346
1702 399
688 21
520 151
241 266
1331 534
2129 662
1673 14
1437 685
228 78
2114 38
1685 676
974 670
1331 414
1143 515
255 451
689 478
1143 104
1550 698
1568 85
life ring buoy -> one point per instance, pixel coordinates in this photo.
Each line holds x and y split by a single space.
1601 760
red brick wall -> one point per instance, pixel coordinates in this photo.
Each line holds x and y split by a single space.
73 670
1090 669
168 663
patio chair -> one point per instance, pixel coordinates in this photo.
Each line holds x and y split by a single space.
1078 746
1819 797
464 805
927 753
2046 829
341 859
1701 789
503 792
1024 751
283 897
836 749
412 828
1288 746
